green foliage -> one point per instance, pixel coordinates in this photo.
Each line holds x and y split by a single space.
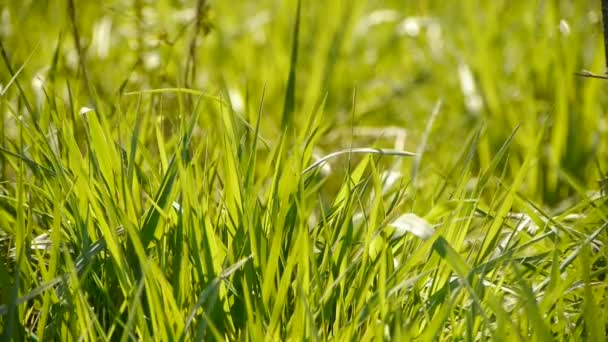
240 170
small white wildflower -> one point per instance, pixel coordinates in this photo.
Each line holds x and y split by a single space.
325 167
358 218
313 221
238 104
38 86
564 28
390 178
413 224
473 100
85 110
151 60
177 206
410 27
387 332
38 82
102 33
71 59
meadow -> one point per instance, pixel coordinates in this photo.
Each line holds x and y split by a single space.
303 170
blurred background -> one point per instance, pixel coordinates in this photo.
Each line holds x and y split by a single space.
375 69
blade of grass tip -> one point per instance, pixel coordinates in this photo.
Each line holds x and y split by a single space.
313 120
80 264
491 238
32 164
201 94
210 288
100 147
535 317
233 177
362 150
16 73
177 90
150 225
281 297
589 74
425 136
462 269
53 261
133 150
26 102
125 82
250 172
55 61
463 162
4 309
570 259
290 94
433 331
148 230
134 308
497 159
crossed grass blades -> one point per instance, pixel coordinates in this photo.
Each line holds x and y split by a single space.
344 170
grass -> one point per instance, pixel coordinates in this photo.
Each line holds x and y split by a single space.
262 170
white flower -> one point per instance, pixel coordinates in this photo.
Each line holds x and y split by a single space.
564 28
413 224
85 110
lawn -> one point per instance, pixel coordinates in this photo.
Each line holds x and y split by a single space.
303 170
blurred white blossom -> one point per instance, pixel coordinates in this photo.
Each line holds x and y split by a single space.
564 28
413 224
472 99
85 110
102 37
377 17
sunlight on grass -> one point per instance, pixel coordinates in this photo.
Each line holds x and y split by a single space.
296 170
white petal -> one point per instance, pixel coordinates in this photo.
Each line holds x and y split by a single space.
390 178
85 110
177 206
376 18
236 99
564 28
413 224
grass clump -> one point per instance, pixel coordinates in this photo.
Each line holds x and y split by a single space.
350 170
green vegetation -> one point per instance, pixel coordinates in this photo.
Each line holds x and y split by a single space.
172 175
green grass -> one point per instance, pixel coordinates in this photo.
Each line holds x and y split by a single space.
250 172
